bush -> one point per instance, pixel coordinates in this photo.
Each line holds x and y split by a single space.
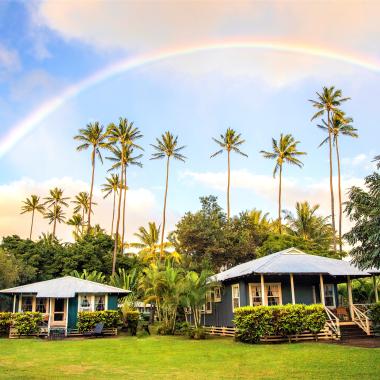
88 319
254 322
27 323
374 315
197 333
131 320
5 321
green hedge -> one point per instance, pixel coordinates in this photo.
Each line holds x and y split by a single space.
27 323
131 320
254 322
88 319
374 315
5 321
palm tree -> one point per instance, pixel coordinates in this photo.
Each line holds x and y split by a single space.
111 186
340 125
94 137
377 160
82 204
230 141
94 276
76 221
55 199
32 205
284 151
167 147
123 134
55 215
329 102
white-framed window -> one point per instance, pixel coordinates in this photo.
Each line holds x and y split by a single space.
41 305
273 294
235 296
329 295
255 298
217 294
26 303
203 309
84 303
100 303
208 306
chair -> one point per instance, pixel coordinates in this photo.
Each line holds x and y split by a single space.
96 332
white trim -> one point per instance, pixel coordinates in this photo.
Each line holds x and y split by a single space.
67 315
14 303
208 304
235 286
333 294
254 284
263 298
292 289
49 320
322 289
219 297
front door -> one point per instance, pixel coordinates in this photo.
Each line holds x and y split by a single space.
59 309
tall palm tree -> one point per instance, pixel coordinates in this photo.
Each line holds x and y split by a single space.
230 141
54 215
32 205
55 199
284 151
92 137
111 186
340 125
123 157
76 221
167 147
329 101
377 160
123 134
82 204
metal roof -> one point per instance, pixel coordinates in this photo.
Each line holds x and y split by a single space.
292 260
64 287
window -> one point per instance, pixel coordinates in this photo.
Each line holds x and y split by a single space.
59 310
217 294
273 293
209 302
100 303
255 298
84 303
27 303
203 309
329 295
41 305
235 296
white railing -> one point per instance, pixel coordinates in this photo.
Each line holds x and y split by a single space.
332 322
361 319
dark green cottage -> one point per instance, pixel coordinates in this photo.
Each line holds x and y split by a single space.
61 299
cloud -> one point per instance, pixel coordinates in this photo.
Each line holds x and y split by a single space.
361 160
9 61
141 207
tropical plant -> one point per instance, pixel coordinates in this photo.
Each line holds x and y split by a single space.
329 101
167 147
82 204
92 137
230 141
111 186
90 276
284 151
32 205
377 159
125 135
54 199
340 125
76 221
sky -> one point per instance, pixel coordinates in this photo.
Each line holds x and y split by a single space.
194 68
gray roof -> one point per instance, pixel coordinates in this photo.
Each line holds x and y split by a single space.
292 260
64 287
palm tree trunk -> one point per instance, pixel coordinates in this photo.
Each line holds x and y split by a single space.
164 210
339 195
331 181
125 195
92 187
82 220
279 201
113 211
118 219
228 186
31 226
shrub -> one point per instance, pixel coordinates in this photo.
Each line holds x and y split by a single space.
5 321
197 333
88 319
131 320
254 322
374 315
27 323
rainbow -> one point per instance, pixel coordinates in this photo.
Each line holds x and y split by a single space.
31 121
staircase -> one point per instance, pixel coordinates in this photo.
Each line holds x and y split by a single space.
352 331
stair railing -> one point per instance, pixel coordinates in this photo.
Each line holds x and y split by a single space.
332 322
361 319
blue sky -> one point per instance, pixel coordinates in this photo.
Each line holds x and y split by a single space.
47 46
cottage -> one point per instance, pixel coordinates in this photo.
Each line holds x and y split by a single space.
61 299
286 277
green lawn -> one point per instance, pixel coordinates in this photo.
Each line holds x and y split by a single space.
179 358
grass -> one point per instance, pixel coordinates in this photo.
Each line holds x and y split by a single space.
180 358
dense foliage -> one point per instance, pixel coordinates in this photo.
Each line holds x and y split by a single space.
254 322
5 321
27 323
374 315
88 319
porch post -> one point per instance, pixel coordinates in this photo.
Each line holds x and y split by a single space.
292 288
14 303
49 320
375 288
349 292
322 289
262 290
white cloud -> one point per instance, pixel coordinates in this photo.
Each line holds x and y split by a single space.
141 207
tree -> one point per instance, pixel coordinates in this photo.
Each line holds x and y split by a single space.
125 135
284 151
32 205
167 147
230 141
55 199
90 276
329 101
76 221
377 159
92 137
82 204
363 209
111 186
9 270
